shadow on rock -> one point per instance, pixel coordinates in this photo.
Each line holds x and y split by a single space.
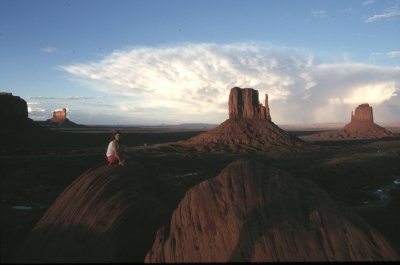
108 214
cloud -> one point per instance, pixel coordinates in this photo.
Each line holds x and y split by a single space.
368 2
57 98
319 13
50 50
386 14
394 54
391 54
190 82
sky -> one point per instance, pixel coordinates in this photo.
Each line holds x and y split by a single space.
156 62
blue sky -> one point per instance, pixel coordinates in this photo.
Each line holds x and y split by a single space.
153 62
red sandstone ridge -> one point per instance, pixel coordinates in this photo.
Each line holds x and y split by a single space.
252 213
248 129
362 126
104 216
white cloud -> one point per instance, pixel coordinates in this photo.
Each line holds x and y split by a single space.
191 82
387 13
319 13
50 50
371 93
368 2
394 54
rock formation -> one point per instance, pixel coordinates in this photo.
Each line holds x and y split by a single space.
361 126
105 215
252 213
14 122
248 129
60 119
363 113
59 115
244 103
13 109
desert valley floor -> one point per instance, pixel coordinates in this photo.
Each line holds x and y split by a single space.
35 169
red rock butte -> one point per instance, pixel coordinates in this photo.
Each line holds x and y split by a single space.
361 126
60 119
363 113
59 115
244 103
248 129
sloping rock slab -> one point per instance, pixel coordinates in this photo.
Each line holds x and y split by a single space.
253 213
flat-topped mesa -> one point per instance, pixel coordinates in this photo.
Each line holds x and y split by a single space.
363 113
244 103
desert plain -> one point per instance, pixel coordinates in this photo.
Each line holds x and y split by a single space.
37 167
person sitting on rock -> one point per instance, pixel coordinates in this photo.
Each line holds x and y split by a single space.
114 152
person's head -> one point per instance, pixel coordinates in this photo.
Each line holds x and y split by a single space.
116 135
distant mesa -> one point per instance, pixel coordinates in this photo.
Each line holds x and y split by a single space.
253 213
248 129
361 126
60 120
59 115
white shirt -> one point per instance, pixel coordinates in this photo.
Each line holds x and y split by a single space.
111 150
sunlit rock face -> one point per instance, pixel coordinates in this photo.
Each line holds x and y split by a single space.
244 103
13 109
60 119
59 115
363 113
108 214
248 129
253 213
361 126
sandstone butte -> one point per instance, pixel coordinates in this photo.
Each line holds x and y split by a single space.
60 119
249 128
361 126
252 213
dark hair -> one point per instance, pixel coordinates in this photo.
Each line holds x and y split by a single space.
114 133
